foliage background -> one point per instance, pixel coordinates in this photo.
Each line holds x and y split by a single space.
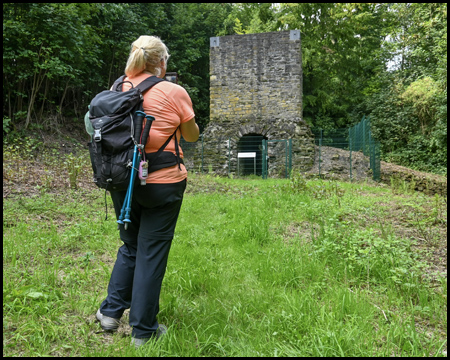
388 61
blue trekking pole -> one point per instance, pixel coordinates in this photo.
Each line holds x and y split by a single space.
136 158
124 217
127 201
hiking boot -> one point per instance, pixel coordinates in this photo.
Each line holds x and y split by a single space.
162 330
107 323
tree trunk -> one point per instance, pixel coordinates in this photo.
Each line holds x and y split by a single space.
18 103
31 101
37 82
110 69
9 104
41 113
62 99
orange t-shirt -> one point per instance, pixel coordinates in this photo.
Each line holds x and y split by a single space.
171 105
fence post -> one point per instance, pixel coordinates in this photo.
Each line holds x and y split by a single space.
350 146
202 153
320 152
360 145
290 157
264 159
285 158
364 137
229 156
372 155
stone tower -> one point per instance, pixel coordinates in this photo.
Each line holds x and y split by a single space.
256 92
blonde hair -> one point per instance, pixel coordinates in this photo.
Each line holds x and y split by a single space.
146 54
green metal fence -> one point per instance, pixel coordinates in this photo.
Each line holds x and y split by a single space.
283 155
360 139
258 156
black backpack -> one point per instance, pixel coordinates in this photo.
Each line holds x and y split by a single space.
112 114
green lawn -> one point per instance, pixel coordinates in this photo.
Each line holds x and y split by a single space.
257 268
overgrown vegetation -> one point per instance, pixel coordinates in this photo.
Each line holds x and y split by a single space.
257 267
386 60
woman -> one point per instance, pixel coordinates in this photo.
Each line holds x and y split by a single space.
141 261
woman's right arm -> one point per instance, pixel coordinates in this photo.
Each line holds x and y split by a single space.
190 130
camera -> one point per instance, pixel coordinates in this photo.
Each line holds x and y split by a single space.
172 77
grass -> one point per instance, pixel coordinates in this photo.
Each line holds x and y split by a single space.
257 268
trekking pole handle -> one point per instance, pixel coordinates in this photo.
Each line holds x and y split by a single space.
138 125
147 128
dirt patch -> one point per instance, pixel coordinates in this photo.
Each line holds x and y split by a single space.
27 172
299 232
426 227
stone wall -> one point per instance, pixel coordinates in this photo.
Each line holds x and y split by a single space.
335 165
256 89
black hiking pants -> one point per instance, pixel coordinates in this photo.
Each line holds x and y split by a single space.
141 261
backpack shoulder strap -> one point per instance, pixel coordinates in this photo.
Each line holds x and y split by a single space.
143 86
148 83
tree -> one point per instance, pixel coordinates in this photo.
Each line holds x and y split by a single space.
192 24
51 50
42 48
408 104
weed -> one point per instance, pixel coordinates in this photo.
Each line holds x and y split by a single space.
401 186
424 223
47 179
297 183
425 230
86 259
439 209
73 165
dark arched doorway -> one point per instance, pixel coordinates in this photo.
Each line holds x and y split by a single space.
247 145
